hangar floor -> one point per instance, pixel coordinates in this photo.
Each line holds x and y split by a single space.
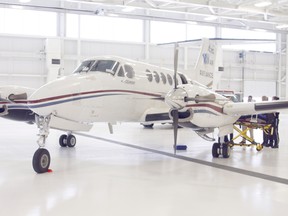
134 172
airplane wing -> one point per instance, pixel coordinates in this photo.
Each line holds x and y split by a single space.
254 107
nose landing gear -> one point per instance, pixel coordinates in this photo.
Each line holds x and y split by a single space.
41 159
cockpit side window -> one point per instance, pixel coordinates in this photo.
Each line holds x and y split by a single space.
85 66
121 72
115 67
104 66
130 73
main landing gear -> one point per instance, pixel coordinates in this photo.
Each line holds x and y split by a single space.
41 159
221 149
67 140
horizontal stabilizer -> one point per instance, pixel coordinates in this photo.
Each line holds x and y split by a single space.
66 124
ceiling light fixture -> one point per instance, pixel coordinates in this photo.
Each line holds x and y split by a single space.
282 26
210 18
263 4
260 30
24 1
128 9
16 7
191 23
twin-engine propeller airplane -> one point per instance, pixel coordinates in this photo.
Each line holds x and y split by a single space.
139 92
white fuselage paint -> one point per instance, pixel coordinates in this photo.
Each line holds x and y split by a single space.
102 97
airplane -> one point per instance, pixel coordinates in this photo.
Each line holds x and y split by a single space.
141 93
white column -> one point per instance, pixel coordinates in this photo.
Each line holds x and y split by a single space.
286 70
53 58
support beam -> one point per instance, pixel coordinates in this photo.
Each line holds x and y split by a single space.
286 66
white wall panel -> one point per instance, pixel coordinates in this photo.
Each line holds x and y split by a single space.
134 51
22 60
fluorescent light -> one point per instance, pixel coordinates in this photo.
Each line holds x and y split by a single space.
263 4
191 23
16 7
210 18
282 26
112 15
128 9
24 1
260 30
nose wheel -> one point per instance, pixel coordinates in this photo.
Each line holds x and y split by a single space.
41 160
67 140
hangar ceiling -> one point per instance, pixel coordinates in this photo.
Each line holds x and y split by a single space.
247 14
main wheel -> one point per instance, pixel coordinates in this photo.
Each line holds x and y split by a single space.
225 150
71 141
149 126
63 140
215 150
41 160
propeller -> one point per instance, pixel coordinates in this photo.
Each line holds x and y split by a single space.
174 112
178 98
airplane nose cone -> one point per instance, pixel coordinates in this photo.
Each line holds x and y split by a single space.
44 100
176 98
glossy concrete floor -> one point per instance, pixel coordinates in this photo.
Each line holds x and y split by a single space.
133 172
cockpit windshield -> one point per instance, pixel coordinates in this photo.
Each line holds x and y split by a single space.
85 66
107 66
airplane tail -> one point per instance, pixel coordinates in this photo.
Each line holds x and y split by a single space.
207 70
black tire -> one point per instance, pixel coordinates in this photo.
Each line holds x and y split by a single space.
225 150
63 140
71 141
215 150
148 126
41 160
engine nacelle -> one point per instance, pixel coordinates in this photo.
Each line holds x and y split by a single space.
183 116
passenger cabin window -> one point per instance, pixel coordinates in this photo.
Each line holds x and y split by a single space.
149 75
130 73
156 76
163 78
170 81
107 66
85 66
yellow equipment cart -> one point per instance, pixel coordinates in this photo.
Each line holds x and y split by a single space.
246 123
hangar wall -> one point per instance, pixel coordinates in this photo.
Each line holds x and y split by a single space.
23 60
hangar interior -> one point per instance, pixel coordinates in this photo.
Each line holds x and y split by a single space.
134 171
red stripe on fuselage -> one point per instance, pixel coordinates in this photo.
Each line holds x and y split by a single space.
91 92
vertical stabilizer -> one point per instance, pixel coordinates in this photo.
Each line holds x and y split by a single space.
207 66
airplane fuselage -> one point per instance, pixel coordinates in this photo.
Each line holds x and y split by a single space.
114 95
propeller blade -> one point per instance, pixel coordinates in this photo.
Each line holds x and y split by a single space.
175 127
176 50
